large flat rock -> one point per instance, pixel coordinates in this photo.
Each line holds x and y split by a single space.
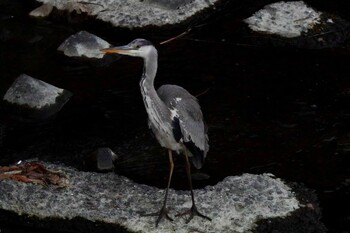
235 204
134 13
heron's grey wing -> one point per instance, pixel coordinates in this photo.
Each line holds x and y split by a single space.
188 124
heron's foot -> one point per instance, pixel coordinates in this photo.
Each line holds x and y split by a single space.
193 212
164 212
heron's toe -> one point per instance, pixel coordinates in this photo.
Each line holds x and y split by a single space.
193 211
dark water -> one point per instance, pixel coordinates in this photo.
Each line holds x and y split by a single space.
269 110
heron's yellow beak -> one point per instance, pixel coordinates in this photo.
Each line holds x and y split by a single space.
111 50
120 50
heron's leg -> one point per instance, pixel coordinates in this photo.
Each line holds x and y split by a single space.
164 210
193 211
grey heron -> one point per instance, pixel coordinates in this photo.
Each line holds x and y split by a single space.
174 116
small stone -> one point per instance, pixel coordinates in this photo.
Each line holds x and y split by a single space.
105 157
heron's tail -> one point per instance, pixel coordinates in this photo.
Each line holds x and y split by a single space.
195 154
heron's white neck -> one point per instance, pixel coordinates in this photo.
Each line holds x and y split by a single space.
155 107
150 57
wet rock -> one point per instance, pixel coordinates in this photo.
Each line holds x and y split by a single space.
136 13
234 204
296 24
83 44
33 98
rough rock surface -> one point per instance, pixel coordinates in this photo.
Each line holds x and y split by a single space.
295 24
135 13
235 204
287 19
35 93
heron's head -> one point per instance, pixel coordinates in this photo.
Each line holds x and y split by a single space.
136 48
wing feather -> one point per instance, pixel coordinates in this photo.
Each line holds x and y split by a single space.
188 119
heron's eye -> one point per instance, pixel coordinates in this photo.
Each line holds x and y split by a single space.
137 46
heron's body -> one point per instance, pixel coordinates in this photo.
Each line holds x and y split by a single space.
159 117
188 128
162 127
174 116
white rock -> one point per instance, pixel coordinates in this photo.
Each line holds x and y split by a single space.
235 204
286 19
135 13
